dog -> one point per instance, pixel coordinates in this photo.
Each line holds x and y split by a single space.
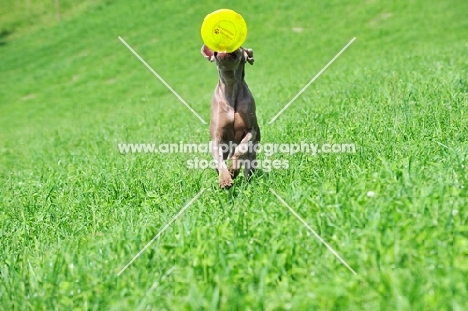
234 129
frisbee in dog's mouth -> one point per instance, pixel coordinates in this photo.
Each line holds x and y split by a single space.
224 31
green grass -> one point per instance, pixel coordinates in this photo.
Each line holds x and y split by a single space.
74 211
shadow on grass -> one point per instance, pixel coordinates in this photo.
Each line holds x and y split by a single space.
241 184
4 33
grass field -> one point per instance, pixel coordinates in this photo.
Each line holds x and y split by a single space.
74 210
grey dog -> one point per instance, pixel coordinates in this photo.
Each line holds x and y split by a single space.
233 119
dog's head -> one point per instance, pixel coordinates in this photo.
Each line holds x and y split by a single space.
228 61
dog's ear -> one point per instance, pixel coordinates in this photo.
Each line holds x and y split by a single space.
207 53
248 55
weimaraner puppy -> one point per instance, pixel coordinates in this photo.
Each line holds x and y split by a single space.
233 128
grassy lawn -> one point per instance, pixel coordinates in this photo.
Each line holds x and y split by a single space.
74 210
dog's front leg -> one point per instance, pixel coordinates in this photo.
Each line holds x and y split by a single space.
250 163
241 150
225 180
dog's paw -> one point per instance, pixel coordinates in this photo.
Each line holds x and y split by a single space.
225 180
234 168
233 172
225 183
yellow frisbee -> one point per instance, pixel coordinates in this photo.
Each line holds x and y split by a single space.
224 31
